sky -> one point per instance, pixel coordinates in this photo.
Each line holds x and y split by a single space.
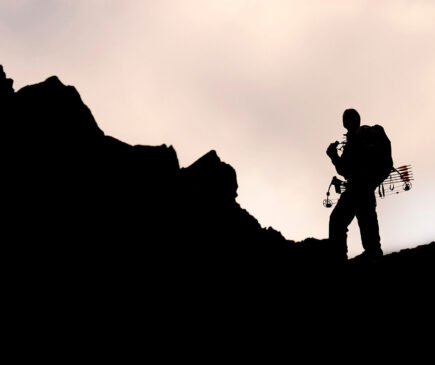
262 82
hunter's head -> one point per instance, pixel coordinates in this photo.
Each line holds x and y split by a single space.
351 120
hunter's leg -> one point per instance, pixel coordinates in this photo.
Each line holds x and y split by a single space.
340 218
368 224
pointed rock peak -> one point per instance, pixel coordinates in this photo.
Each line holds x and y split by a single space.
210 158
5 84
55 112
212 154
54 80
210 174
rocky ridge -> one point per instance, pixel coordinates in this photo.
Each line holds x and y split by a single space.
81 203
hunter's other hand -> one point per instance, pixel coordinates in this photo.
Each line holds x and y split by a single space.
332 150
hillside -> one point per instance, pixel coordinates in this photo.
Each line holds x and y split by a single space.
87 207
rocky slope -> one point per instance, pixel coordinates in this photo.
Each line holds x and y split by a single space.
83 206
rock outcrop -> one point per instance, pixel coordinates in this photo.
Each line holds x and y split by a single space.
84 206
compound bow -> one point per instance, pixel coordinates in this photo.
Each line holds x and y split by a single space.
403 176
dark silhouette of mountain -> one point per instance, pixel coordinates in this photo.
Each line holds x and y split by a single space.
86 210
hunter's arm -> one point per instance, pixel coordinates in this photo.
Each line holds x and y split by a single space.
338 161
339 165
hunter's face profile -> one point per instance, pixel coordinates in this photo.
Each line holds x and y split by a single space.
351 120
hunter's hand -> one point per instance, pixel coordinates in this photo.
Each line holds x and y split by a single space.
332 150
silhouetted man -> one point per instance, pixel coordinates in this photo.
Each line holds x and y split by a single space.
359 197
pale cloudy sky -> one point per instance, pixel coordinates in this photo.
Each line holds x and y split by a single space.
263 82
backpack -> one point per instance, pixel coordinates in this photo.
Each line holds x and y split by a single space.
376 157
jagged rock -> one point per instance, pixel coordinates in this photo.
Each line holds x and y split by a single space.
211 178
53 118
80 199
6 84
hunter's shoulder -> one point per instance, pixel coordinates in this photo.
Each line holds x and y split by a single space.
370 128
